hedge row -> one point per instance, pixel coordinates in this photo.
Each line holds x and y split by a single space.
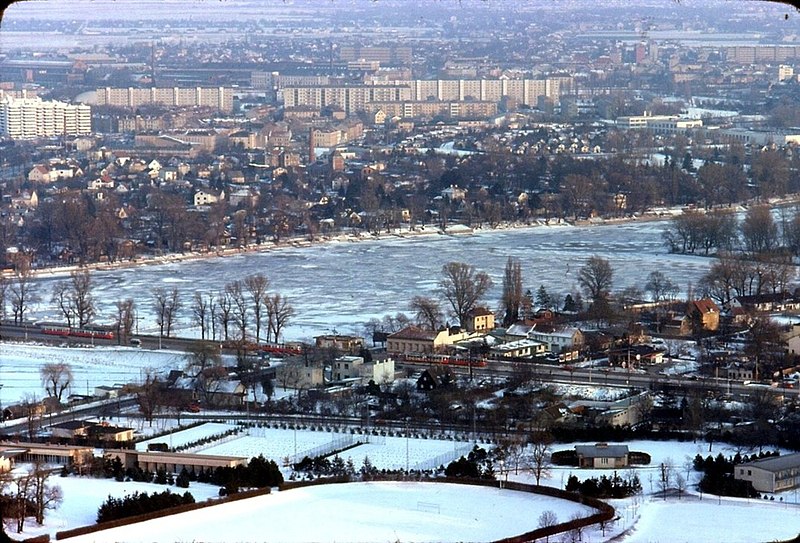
159 514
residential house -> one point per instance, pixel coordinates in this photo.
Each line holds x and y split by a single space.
792 339
701 316
740 371
168 174
635 356
204 197
346 367
519 330
480 319
345 344
300 373
73 430
566 339
39 174
106 433
602 455
25 200
767 303
434 377
415 340
454 193
243 196
771 474
520 348
100 183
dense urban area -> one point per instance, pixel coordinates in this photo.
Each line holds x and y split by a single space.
611 397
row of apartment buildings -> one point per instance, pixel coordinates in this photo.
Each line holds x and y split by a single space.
220 98
27 118
372 97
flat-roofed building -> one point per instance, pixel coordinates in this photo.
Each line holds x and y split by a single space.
28 118
173 462
771 474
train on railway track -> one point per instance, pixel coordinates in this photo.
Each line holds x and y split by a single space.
63 330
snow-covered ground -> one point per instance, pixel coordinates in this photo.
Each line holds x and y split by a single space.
357 512
20 365
84 495
643 519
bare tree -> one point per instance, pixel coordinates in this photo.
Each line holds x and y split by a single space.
239 307
540 454
575 534
511 299
32 410
3 296
279 312
224 313
63 300
21 495
463 288
44 496
56 378
596 278
172 308
548 519
83 303
205 367
126 318
256 286
166 305
659 286
428 312
21 291
759 231
149 395
201 312
160 302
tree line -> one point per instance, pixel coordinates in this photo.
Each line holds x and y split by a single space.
243 310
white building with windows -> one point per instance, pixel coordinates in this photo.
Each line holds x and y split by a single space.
29 118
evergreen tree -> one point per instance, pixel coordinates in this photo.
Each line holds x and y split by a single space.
543 298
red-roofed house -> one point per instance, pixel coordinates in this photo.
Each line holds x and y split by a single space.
701 315
39 174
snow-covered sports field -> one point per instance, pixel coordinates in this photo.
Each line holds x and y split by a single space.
357 512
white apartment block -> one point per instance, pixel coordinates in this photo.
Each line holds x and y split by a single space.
354 98
220 98
28 118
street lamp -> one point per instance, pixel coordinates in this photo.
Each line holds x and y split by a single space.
407 465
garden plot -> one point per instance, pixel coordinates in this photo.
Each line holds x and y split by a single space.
274 443
181 438
393 453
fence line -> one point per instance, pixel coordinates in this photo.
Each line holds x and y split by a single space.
443 459
214 442
342 442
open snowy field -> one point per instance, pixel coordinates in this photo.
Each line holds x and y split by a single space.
356 512
731 521
20 364
83 496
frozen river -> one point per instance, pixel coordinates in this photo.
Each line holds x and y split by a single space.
341 285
